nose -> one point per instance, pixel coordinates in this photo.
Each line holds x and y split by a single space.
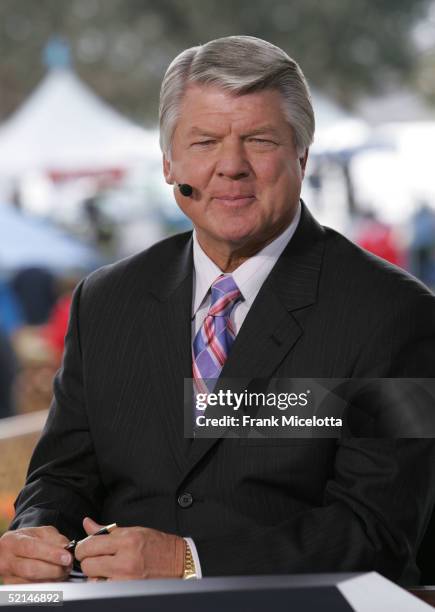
233 162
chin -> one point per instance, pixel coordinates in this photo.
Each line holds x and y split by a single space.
236 232
235 238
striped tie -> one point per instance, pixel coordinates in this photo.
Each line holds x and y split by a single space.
214 340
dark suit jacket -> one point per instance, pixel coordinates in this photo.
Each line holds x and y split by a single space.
113 446
8 370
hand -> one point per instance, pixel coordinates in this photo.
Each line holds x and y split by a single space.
130 553
34 554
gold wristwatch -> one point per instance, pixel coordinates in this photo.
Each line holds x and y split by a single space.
189 564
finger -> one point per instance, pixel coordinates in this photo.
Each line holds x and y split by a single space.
55 539
33 548
100 567
42 529
13 580
48 533
91 526
95 546
18 580
33 570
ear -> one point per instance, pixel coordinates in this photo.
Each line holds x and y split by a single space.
303 162
167 170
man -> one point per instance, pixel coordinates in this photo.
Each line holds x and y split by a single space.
296 300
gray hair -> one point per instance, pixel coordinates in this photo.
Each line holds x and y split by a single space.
240 65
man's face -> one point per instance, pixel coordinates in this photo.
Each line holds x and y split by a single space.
239 155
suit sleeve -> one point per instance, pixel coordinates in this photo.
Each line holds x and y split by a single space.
63 483
378 502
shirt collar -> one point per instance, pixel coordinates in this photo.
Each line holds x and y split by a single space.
249 276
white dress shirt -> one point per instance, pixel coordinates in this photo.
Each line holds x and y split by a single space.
249 277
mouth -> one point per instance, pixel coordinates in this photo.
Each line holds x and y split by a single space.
232 201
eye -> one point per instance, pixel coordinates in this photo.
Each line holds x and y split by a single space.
203 143
262 141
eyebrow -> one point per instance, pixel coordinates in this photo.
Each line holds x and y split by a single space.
263 129
197 131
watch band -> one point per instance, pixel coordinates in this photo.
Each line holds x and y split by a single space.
189 564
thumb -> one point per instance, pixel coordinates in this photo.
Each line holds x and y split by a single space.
90 526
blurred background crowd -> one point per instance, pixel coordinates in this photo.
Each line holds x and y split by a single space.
80 166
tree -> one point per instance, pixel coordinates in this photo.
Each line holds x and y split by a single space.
122 47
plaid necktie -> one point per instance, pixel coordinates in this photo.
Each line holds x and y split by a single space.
215 338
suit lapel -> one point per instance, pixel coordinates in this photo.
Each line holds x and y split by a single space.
173 288
270 330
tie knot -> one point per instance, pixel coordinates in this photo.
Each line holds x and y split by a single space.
224 296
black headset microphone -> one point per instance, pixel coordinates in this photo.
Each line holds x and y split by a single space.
185 189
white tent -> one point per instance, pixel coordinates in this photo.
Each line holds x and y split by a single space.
397 179
63 127
336 129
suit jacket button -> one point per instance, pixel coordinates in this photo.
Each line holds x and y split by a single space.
185 500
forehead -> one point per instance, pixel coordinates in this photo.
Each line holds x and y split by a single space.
212 106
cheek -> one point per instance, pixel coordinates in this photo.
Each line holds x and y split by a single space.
196 210
291 178
272 172
278 184
267 170
186 205
195 169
